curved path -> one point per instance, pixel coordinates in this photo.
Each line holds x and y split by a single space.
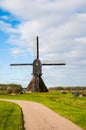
39 117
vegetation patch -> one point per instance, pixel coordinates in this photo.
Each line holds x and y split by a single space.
10 89
10 116
67 105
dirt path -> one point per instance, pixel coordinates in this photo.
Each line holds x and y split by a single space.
39 117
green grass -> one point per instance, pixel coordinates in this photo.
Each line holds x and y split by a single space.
65 104
10 116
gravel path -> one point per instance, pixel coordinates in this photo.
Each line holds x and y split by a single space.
39 117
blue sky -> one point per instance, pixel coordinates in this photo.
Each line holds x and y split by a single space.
61 27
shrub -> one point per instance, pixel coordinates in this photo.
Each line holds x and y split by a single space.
9 90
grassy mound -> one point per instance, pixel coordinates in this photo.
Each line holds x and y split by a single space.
10 116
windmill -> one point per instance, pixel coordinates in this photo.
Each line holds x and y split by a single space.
37 84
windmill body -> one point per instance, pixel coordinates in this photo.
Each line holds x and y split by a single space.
37 84
37 67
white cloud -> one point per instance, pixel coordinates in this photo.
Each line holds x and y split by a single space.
57 19
17 52
61 26
35 9
81 40
5 17
62 40
6 27
29 29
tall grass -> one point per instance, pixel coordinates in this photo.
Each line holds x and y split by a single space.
10 116
64 104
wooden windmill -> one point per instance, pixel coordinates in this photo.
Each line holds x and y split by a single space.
37 84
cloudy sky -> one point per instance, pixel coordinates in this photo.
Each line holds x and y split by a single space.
61 27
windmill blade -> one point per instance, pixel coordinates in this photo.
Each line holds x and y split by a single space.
21 64
53 62
37 48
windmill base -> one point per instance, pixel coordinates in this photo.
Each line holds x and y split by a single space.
33 87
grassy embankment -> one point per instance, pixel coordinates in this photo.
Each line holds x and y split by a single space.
65 104
10 116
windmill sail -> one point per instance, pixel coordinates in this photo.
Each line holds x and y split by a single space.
21 64
52 62
37 48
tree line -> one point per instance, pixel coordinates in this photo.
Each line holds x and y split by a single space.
10 88
69 88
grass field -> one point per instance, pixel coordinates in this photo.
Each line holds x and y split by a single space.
65 104
10 116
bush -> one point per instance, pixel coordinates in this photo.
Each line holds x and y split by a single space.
9 90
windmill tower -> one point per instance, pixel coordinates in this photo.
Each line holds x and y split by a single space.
37 84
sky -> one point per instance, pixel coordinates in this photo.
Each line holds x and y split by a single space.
61 27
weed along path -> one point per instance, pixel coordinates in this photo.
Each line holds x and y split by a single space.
38 117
